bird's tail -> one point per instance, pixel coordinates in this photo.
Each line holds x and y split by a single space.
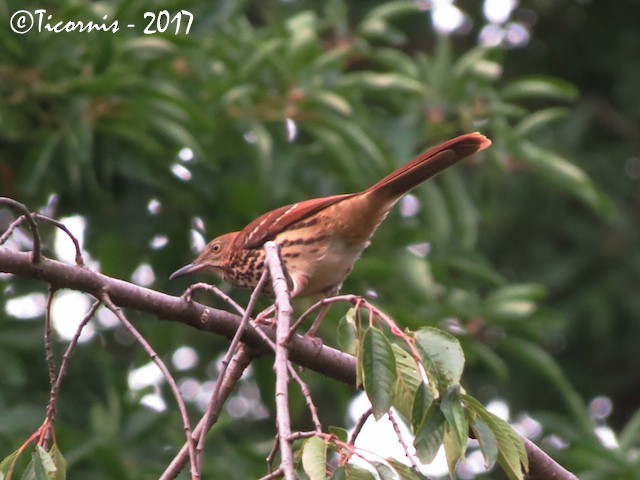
427 165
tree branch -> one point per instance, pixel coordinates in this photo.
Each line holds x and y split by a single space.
305 352
281 364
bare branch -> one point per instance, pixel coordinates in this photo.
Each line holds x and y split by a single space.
359 424
48 347
322 305
305 352
56 381
42 218
307 397
35 252
405 447
237 367
106 299
188 295
211 407
542 466
283 321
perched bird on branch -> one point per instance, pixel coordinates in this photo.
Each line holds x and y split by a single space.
320 239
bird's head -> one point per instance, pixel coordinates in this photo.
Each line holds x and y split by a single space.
213 259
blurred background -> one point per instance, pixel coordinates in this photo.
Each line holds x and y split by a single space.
148 145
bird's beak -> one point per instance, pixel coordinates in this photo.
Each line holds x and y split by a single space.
186 270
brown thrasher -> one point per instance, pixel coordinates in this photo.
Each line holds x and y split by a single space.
320 239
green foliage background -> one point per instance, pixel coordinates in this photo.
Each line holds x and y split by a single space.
534 261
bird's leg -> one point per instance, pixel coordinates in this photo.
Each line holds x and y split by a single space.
263 317
316 323
323 311
297 282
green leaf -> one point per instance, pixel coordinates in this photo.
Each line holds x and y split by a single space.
475 266
265 51
487 441
421 406
515 301
303 32
383 82
512 455
264 144
60 462
314 458
330 100
630 434
44 157
437 213
336 146
397 61
360 139
339 432
375 23
464 209
389 10
541 361
453 411
539 119
331 59
566 175
148 47
454 452
384 471
30 472
354 472
540 87
404 471
442 356
44 465
8 464
379 368
474 62
428 439
238 94
348 331
408 381
497 365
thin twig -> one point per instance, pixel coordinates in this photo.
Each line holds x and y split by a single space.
106 299
15 224
188 295
405 447
321 358
48 346
397 331
359 424
542 466
237 367
48 353
283 321
35 252
272 455
43 218
62 371
307 397
76 244
320 304
225 363
277 473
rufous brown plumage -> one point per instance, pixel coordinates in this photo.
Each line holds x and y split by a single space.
320 239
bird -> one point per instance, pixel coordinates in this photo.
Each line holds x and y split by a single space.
320 239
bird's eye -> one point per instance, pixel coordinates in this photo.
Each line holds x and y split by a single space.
215 247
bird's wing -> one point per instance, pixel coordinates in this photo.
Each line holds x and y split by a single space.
267 226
